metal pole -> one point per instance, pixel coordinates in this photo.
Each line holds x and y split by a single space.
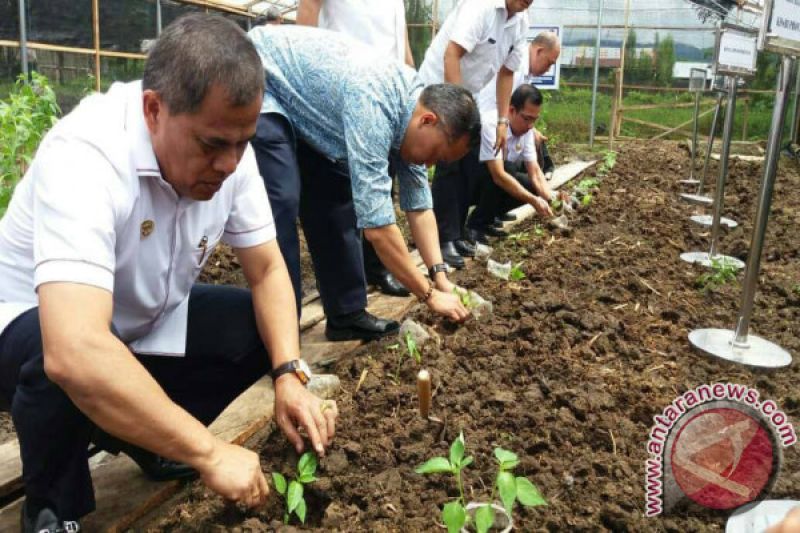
795 135
159 21
727 135
764 201
23 40
596 72
694 132
714 122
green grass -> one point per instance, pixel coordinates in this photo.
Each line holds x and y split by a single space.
567 114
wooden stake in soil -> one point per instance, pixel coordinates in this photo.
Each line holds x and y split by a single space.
424 392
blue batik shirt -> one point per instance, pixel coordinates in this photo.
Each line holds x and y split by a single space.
348 104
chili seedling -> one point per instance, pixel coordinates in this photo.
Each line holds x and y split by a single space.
411 351
516 273
293 491
511 489
721 273
466 297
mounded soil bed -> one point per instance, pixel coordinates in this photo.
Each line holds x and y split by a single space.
568 373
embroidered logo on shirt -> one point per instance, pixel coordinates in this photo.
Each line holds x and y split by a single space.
147 228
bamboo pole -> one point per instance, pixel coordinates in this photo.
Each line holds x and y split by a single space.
745 118
96 24
73 50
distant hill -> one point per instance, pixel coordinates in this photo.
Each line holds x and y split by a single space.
683 52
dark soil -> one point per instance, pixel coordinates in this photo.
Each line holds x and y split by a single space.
569 372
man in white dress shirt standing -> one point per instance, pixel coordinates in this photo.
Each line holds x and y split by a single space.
479 40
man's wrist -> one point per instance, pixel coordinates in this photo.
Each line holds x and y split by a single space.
502 121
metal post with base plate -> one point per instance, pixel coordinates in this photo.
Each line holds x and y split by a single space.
777 35
697 84
735 56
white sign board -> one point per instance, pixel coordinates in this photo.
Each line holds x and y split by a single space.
549 80
737 52
782 29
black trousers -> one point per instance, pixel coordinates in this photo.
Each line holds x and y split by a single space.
492 201
301 182
452 191
224 356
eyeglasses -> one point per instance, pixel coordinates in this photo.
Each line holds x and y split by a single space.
530 119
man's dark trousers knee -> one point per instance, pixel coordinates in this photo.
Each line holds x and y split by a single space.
224 356
300 181
492 201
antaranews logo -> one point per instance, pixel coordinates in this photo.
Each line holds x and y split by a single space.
717 445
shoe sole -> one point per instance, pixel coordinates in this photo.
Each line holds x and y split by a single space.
334 335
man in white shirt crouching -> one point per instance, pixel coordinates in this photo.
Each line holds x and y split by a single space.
103 331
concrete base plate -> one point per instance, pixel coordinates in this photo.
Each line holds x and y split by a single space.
758 352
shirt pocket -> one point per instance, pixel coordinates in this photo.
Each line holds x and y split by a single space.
205 248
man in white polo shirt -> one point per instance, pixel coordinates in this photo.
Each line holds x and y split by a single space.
380 24
498 182
102 329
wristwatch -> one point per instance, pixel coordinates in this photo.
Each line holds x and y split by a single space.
298 366
502 120
439 267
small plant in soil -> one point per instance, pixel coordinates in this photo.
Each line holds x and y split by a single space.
609 160
411 351
556 204
293 491
796 289
511 489
721 273
519 237
516 273
538 230
466 297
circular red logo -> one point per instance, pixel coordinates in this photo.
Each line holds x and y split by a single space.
723 457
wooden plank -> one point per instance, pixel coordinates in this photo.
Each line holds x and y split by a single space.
679 126
10 468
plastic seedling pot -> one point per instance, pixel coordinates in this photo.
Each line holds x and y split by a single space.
502 520
482 251
480 308
500 270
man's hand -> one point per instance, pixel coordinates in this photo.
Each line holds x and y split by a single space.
235 473
542 207
502 136
448 304
296 407
539 138
444 284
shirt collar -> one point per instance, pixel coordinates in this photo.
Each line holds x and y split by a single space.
501 4
142 154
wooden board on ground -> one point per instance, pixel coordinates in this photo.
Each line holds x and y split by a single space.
10 468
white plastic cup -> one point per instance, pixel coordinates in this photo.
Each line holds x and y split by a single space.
500 270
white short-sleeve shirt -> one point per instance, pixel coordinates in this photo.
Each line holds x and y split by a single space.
490 38
518 148
94 209
487 97
379 23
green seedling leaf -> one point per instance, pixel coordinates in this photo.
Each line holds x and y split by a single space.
280 483
307 464
484 518
294 496
301 511
457 451
586 200
507 487
555 204
527 493
516 273
437 465
466 462
305 479
507 459
454 516
394 346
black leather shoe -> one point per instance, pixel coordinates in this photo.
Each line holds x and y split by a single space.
451 255
495 232
154 466
388 284
497 223
464 248
46 521
360 325
477 236
508 217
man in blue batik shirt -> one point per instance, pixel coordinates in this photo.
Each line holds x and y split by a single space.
334 113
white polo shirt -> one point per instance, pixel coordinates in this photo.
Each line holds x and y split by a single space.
491 39
93 209
487 97
518 148
379 23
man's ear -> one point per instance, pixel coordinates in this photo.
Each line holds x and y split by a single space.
429 118
153 108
